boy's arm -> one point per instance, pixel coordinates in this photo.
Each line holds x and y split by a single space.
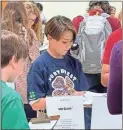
14 116
38 104
82 87
83 84
36 89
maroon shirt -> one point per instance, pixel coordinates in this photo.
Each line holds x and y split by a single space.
114 22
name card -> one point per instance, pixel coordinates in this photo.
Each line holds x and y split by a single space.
70 109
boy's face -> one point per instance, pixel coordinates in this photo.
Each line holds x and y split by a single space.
61 47
17 68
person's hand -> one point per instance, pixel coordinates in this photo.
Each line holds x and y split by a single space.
40 104
79 93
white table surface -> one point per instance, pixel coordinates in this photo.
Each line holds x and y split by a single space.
43 125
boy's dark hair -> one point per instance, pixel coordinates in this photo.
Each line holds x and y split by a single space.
57 25
12 45
40 6
104 5
92 3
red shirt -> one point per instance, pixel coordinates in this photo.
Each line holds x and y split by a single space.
76 22
112 39
114 22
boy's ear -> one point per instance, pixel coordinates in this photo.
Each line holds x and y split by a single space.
12 62
49 37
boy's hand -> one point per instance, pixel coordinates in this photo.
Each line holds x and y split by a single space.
40 104
79 93
73 92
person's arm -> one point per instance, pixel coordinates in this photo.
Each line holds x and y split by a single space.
34 34
105 61
14 116
114 93
118 25
36 88
34 52
83 84
105 74
39 104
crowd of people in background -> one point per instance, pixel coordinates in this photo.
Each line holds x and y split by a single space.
81 56
107 77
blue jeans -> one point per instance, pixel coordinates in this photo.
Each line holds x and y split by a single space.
87 117
94 81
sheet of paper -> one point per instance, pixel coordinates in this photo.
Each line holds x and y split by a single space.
101 118
95 94
70 109
88 97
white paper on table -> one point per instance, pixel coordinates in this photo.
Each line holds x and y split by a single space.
95 94
101 118
70 109
43 125
88 97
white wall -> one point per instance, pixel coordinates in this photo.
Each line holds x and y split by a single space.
70 9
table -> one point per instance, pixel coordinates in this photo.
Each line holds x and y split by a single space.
88 108
47 126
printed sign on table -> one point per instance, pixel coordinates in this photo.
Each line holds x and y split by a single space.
70 109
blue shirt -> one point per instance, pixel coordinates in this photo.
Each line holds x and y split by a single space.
49 76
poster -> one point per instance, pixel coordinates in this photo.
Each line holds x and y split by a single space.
70 109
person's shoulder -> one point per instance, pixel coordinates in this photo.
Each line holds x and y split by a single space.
78 18
75 62
42 57
114 22
116 34
11 94
113 18
118 47
40 62
70 57
16 95
116 54
113 38
117 31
